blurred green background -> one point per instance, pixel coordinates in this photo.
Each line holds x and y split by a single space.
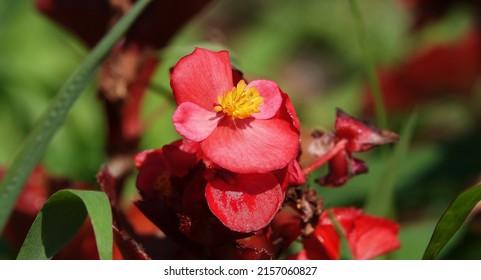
311 50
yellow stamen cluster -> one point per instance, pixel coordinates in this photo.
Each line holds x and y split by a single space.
238 102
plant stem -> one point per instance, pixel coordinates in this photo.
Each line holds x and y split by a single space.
369 65
325 157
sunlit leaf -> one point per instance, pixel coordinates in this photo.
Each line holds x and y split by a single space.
451 221
60 219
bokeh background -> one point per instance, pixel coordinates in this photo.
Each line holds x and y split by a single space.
311 49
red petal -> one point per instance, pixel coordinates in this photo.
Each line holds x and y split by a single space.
247 203
342 167
252 146
148 157
368 236
272 95
323 245
345 216
296 177
301 255
361 136
288 112
326 234
373 237
149 177
194 122
339 171
156 166
202 76
181 156
285 228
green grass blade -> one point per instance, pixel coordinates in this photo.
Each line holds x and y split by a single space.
451 220
344 250
369 65
37 141
60 219
380 199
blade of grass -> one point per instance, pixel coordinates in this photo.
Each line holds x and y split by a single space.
451 220
369 65
60 219
344 250
43 131
380 200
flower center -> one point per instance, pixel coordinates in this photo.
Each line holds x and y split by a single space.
238 102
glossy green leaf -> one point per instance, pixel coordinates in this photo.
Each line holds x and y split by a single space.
452 219
60 219
380 200
46 127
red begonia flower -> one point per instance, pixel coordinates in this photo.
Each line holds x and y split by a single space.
368 237
447 69
242 202
244 128
360 136
351 135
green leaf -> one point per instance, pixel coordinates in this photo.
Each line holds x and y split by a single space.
451 221
380 200
60 219
46 127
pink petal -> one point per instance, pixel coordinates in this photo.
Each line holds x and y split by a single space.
201 76
251 146
194 122
247 202
272 95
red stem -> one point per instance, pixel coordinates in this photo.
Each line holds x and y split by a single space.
325 157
